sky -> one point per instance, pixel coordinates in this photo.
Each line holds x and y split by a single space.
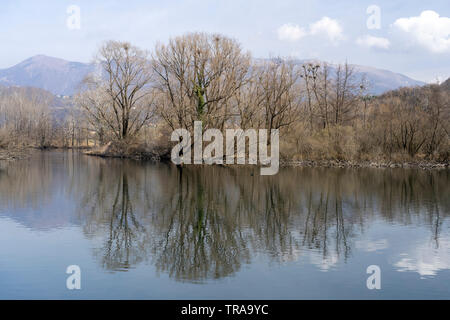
410 37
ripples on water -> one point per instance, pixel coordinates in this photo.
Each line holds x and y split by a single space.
146 230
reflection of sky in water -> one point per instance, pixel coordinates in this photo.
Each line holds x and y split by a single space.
424 260
144 231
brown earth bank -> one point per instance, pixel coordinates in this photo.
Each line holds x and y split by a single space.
138 151
123 149
367 164
141 152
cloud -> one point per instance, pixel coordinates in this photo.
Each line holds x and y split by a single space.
329 27
373 42
429 30
290 32
325 26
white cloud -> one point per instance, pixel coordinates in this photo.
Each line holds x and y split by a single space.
428 30
325 26
329 27
291 32
373 42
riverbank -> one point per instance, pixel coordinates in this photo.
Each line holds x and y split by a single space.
9 154
128 151
113 151
428 165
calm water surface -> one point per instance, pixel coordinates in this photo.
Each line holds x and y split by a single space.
152 231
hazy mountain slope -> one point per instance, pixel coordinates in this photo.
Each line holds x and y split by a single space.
384 80
62 77
58 76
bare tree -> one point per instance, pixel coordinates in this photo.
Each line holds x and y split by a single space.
437 113
120 100
346 94
279 97
26 117
309 74
197 75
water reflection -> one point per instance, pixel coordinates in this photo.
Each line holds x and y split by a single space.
196 224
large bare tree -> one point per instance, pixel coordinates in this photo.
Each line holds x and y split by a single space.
119 98
197 74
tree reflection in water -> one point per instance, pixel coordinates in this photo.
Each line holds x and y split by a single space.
205 223
201 223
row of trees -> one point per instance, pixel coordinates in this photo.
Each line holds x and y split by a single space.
195 77
413 121
322 111
25 117
28 118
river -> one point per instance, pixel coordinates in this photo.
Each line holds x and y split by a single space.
144 230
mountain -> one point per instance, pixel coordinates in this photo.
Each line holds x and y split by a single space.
58 76
62 77
381 80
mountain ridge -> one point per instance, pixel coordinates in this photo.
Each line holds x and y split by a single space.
62 77
59 76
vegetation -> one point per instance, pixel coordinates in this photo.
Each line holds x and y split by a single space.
323 112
